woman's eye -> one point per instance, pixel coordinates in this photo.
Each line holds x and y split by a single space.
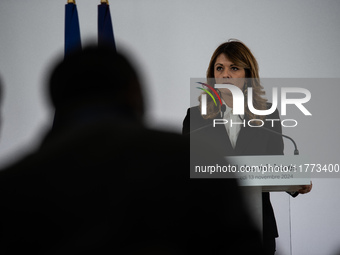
219 68
234 68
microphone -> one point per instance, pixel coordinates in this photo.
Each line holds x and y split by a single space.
198 129
296 151
223 109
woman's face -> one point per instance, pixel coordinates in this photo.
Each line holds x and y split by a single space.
226 72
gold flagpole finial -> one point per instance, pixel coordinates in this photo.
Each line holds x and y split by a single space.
71 1
104 2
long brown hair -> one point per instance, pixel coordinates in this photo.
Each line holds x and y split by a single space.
238 53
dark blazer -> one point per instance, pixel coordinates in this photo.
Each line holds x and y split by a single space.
251 141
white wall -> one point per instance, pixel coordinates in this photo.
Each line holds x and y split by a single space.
170 42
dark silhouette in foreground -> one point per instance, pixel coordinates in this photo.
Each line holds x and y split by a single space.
103 183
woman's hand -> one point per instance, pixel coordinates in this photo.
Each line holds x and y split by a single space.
305 188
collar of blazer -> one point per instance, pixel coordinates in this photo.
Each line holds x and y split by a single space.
247 135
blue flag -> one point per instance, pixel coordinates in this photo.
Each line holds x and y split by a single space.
105 30
72 30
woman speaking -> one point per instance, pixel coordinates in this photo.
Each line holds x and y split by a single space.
233 63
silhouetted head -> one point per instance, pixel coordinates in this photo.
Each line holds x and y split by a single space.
96 75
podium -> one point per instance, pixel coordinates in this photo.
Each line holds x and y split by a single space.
257 174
